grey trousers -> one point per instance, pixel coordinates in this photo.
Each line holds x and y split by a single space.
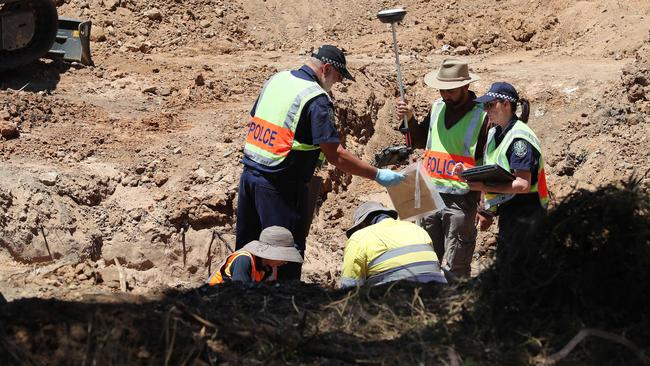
453 232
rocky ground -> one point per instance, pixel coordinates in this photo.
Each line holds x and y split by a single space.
123 175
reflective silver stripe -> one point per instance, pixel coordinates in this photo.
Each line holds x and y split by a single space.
426 269
435 111
295 105
389 254
470 131
259 158
350 282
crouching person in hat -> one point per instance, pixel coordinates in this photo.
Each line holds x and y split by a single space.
382 249
454 130
259 260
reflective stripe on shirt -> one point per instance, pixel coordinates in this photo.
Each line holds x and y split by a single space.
419 272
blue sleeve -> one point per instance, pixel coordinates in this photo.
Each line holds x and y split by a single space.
523 156
323 127
241 268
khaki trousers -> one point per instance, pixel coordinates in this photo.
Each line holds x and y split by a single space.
453 232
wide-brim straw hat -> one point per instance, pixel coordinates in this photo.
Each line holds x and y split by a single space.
452 74
362 213
275 243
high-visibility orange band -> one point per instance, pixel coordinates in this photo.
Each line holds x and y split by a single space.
440 164
269 137
542 189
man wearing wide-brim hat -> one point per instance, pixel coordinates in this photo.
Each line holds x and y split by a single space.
382 249
259 260
454 131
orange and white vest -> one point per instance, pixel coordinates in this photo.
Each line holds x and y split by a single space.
447 147
272 129
224 269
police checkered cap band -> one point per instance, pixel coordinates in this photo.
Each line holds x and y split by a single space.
336 64
501 96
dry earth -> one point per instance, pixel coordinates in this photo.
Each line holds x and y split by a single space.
136 160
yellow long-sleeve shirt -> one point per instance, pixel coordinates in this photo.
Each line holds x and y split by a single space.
388 251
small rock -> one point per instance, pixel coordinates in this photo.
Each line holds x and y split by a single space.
153 14
145 47
199 80
150 89
49 179
8 130
112 4
38 198
205 23
160 179
98 34
218 12
165 91
462 50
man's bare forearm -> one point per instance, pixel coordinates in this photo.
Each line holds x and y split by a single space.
338 156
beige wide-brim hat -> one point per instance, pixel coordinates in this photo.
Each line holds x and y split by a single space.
363 211
452 74
275 243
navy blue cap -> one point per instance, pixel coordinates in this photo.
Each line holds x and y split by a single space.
500 90
332 55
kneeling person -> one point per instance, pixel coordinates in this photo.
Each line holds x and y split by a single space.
259 260
382 249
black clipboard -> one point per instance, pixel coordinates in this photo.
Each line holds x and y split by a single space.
488 173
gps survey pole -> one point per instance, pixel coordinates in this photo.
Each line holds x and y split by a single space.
394 16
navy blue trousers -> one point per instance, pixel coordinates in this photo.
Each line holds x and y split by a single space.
262 202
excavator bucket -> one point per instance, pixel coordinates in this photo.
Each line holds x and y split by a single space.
72 42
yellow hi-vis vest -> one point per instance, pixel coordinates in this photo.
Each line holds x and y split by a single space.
271 130
390 250
223 271
497 155
447 147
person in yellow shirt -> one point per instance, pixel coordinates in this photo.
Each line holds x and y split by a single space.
382 249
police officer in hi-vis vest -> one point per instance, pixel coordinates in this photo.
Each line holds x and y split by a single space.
291 129
454 131
521 204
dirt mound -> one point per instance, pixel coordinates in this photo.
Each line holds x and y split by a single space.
460 27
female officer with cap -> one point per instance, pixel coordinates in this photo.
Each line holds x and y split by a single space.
512 144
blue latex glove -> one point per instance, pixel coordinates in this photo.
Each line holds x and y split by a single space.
387 177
